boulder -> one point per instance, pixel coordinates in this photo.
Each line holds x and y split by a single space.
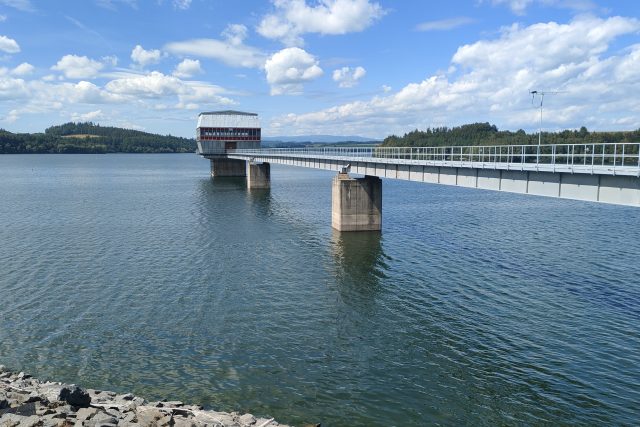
75 396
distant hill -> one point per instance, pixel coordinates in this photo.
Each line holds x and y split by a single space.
317 138
92 138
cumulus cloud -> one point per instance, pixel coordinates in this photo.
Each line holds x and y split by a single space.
492 82
347 77
444 24
231 50
78 67
293 18
144 57
87 117
23 69
156 85
187 68
12 88
152 85
9 45
289 68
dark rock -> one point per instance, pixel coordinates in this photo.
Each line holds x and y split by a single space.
4 403
26 410
75 396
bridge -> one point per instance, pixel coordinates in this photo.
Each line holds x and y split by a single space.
607 173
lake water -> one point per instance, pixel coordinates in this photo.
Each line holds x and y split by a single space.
140 273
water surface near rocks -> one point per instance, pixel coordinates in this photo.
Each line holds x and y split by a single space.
139 273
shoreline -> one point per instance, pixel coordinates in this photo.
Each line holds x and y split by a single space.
27 401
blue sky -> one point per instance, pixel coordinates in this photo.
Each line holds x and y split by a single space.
341 67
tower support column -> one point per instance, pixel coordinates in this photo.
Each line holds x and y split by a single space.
356 203
228 167
258 175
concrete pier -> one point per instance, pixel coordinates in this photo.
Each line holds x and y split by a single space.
258 175
228 167
356 203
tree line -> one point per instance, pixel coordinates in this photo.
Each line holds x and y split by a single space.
92 138
488 134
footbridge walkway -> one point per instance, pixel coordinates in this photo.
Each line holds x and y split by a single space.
608 173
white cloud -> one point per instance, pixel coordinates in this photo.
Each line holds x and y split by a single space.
231 51
3 18
202 93
386 88
293 18
235 34
11 88
519 7
144 57
87 117
152 85
13 116
78 67
156 85
9 45
23 69
111 4
444 24
110 60
24 5
188 68
347 77
493 79
289 68
182 4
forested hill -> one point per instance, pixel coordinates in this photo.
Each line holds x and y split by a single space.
487 134
92 138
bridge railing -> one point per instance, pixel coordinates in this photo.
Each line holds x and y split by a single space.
612 155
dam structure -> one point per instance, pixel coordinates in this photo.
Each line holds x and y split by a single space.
606 173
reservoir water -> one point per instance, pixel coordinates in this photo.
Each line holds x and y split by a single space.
140 273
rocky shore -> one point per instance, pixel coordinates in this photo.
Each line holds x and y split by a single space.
26 401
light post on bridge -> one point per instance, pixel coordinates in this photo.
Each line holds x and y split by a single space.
541 94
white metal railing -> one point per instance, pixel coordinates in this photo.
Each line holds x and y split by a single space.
583 156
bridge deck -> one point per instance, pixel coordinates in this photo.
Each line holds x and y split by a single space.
607 173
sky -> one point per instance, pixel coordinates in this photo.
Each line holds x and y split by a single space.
310 67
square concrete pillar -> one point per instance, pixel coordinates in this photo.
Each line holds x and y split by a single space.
228 167
258 175
356 203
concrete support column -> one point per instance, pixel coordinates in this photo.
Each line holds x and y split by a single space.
356 203
228 167
258 175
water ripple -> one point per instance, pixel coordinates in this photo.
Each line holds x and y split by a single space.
140 273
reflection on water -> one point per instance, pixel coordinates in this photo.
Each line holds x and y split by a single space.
141 273
359 260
